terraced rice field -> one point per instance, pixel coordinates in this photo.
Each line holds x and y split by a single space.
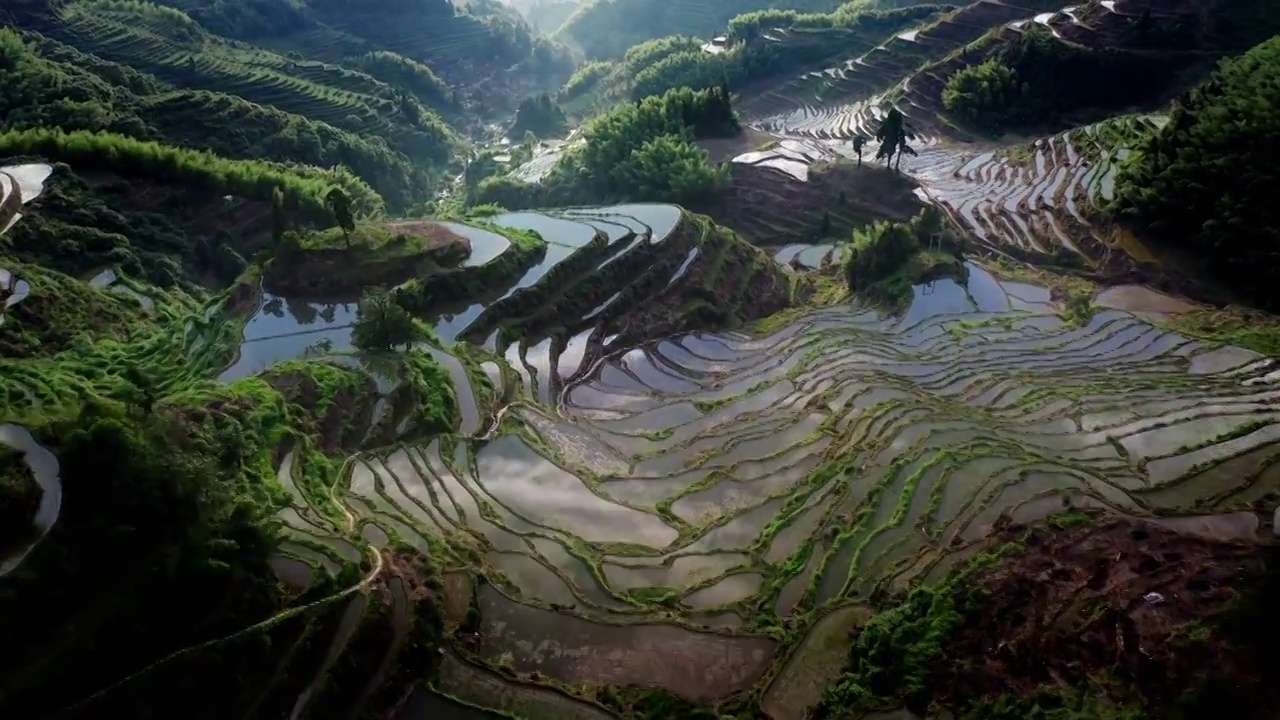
673 500
1037 198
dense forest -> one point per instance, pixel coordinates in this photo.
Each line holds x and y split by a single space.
655 66
1035 80
1200 184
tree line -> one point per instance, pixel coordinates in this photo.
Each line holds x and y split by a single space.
655 66
303 189
1206 181
51 84
1034 79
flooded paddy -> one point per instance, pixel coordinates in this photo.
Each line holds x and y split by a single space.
932 425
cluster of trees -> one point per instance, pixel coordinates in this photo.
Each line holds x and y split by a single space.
411 75
540 115
606 28
382 324
636 151
1034 79
655 66
1205 181
585 78
880 255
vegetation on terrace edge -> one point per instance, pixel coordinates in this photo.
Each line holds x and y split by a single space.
887 258
169 512
654 66
641 152
540 115
1199 184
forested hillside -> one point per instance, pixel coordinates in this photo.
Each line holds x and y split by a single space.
655 66
1201 183
607 28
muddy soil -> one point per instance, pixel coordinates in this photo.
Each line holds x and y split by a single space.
770 207
1076 609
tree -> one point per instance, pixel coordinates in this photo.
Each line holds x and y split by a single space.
383 324
340 204
859 143
893 136
825 228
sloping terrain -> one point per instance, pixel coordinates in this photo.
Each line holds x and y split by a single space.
626 461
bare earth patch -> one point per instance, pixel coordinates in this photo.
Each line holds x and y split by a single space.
701 667
432 233
1127 607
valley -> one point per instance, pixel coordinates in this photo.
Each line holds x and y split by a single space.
704 408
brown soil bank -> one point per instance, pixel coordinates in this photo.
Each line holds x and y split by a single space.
1127 612
769 207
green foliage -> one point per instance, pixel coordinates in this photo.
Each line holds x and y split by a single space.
383 324
50 84
893 654
1035 79
635 151
436 406
303 188
540 115
585 78
655 66
669 167
1202 182
413 76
